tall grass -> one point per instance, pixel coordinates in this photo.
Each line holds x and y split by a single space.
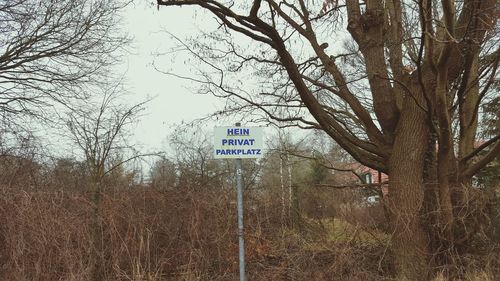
152 235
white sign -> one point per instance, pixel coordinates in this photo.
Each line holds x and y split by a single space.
238 142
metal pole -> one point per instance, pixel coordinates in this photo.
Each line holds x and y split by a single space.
241 239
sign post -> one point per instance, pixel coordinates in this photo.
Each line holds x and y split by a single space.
239 196
237 143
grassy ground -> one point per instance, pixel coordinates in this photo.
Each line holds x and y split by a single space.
151 235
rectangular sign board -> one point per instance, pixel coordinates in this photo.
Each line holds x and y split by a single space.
238 142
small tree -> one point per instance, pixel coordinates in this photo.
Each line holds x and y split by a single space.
193 157
163 174
100 131
68 173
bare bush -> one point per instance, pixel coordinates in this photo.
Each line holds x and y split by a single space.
188 234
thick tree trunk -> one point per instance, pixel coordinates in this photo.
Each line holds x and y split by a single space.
410 241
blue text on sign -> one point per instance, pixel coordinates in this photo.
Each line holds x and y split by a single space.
238 142
238 132
238 152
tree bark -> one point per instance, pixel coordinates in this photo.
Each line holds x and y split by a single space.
410 242
97 270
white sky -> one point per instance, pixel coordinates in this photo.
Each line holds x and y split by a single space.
174 99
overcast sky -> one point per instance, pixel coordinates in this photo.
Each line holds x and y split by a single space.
174 99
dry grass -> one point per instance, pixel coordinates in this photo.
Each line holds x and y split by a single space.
164 235
151 235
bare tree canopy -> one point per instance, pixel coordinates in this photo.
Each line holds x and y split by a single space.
49 50
398 84
101 132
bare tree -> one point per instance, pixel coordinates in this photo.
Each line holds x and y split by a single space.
163 174
193 158
100 131
68 174
20 162
401 95
50 50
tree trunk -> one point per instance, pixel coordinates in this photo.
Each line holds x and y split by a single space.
282 184
410 242
97 270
